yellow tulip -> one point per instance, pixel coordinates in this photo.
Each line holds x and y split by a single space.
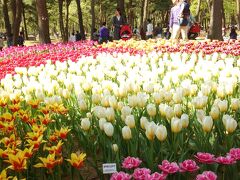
176 125
50 162
18 161
161 133
77 160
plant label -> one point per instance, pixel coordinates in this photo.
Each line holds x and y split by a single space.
109 168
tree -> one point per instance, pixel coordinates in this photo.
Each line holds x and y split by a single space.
7 24
43 21
93 17
24 21
121 6
238 13
198 10
215 31
80 19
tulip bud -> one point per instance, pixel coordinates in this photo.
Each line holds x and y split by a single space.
143 122
214 113
96 98
151 109
207 123
104 101
177 97
108 129
126 110
178 110
169 113
223 106
230 125
115 147
176 125
101 122
161 133
110 114
126 133
130 121
235 104
168 96
185 120
132 101
200 115
120 106
82 105
65 93
150 130
85 124
158 98
142 100
89 115
113 102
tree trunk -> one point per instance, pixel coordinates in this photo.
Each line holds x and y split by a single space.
80 19
43 21
93 17
131 13
68 2
7 24
121 6
198 11
209 5
238 13
145 8
17 18
223 17
61 23
25 23
215 31
142 12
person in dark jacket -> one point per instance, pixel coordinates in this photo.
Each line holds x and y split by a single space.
117 22
78 36
233 33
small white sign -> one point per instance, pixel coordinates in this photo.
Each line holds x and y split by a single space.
109 168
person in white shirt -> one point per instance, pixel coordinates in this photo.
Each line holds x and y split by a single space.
149 32
72 38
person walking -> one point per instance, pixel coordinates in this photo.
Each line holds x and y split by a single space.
179 19
149 32
117 22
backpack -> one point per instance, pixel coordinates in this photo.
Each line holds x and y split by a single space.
184 16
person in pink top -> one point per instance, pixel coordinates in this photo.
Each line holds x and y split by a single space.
178 12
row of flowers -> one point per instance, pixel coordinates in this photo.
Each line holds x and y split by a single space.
132 164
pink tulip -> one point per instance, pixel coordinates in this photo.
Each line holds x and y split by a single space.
120 176
141 174
206 158
235 153
188 165
168 168
131 162
225 160
158 176
207 175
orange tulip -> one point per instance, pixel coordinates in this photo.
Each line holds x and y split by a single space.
3 102
4 153
6 117
33 103
36 142
14 107
28 152
77 160
62 133
46 119
18 161
10 142
55 149
16 99
50 162
24 115
53 138
45 110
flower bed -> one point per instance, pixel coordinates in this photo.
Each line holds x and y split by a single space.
117 103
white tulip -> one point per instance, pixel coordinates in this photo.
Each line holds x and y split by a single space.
168 96
176 125
85 124
133 101
169 113
126 110
143 122
130 121
108 129
110 114
161 133
104 101
96 98
185 120
207 123
115 147
158 97
178 110
235 104
151 109
113 102
150 130
223 106
230 125
200 115
101 122
82 105
214 113
126 133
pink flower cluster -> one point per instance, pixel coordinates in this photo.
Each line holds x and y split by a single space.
169 168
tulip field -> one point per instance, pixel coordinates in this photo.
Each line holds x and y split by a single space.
157 109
